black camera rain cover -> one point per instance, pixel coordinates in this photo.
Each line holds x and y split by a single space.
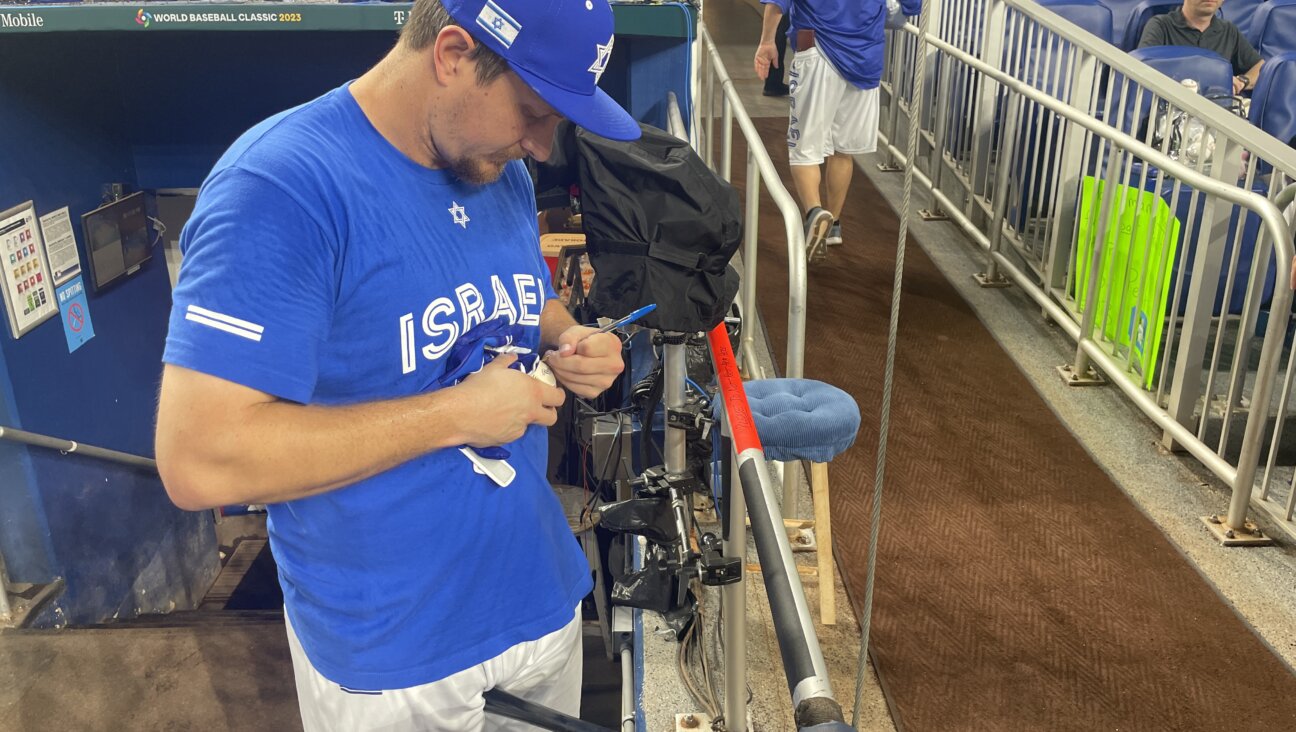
660 226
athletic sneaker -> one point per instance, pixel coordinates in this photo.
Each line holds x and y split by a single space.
834 235
817 223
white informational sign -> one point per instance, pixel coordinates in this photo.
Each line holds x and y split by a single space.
28 288
60 244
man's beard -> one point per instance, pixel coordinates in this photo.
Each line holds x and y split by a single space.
481 171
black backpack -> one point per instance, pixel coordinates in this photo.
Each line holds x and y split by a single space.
660 226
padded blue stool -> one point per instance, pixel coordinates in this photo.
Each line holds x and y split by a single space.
804 419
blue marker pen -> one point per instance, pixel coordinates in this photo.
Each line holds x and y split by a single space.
632 317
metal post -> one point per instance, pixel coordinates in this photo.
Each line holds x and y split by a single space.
992 46
627 689
751 244
5 612
726 154
1211 232
733 599
1072 157
1080 368
674 372
709 98
893 113
991 277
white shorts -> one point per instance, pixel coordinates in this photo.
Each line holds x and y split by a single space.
828 114
545 671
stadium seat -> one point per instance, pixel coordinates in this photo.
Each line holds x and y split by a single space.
1212 72
1242 14
1273 103
1128 19
1089 15
1274 27
1037 144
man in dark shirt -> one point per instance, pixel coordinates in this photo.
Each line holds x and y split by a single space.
1196 24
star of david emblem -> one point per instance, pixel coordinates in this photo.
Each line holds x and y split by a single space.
600 63
498 23
459 214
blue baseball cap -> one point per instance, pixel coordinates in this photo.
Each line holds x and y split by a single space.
560 48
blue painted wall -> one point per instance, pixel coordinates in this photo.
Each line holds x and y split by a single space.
109 531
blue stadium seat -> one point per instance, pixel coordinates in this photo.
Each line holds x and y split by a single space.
1128 19
1242 13
1274 27
1089 15
1273 103
1213 72
1038 142
1190 216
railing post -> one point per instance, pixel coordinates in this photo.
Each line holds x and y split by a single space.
1066 203
893 113
751 244
5 611
710 115
992 45
991 277
1186 391
726 153
1111 173
939 118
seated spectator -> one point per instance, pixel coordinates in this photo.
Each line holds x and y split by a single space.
1195 23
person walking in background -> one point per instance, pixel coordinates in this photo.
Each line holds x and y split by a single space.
839 50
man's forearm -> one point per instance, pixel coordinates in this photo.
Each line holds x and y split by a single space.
276 451
770 21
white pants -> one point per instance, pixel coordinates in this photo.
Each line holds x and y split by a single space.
545 671
828 114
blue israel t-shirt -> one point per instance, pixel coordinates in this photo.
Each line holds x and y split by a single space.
849 33
323 266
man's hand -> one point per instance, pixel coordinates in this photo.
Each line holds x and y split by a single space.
1239 84
509 402
766 55
586 362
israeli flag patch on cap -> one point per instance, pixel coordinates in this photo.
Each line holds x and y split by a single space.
498 23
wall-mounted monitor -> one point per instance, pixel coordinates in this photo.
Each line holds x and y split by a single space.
117 239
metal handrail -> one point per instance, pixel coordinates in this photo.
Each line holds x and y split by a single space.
759 167
70 447
1241 477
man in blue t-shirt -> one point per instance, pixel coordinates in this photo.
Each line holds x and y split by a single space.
361 281
834 77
